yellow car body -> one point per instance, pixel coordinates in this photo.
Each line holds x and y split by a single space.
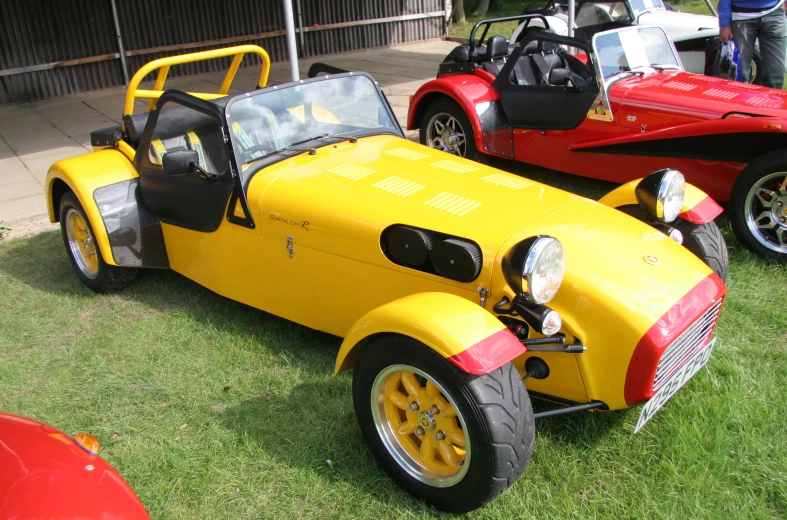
310 249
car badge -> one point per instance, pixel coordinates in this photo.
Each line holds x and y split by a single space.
600 110
631 119
652 260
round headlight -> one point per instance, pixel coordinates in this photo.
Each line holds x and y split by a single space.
535 268
671 194
661 194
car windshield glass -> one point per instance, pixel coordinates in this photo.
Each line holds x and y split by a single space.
597 13
632 49
640 6
277 119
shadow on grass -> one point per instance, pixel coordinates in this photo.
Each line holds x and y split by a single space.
41 263
314 429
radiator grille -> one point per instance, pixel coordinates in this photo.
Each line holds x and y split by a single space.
687 344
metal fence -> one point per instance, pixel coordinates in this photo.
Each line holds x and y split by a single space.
54 47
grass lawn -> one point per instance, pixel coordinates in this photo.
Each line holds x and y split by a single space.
214 410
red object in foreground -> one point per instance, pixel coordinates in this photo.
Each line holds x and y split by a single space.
45 474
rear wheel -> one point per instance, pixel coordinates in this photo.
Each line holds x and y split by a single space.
85 255
758 205
445 126
454 439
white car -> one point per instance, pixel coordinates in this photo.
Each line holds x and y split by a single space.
689 32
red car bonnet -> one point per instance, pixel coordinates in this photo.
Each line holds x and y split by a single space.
46 474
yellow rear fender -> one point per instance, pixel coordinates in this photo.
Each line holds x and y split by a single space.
82 175
459 330
698 207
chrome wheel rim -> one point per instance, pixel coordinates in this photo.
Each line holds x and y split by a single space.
81 244
765 207
405 400
444 132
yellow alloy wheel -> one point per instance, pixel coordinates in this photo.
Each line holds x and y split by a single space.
81 243
420 425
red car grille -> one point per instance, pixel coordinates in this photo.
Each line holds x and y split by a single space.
687 344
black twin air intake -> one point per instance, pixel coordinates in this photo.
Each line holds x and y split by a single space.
432 252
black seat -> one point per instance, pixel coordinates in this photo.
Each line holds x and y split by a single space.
496 47
496 51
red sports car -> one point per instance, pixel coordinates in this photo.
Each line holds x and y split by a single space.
616 109
45 473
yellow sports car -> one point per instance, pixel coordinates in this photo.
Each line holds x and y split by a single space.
455 286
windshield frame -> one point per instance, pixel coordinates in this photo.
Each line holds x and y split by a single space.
285 153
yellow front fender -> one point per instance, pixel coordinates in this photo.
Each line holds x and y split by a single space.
83 175
460 330
698 207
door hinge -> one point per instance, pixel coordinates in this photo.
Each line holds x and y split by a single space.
290 249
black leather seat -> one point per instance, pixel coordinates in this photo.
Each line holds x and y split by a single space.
496 51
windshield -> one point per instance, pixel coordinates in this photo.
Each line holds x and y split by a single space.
633 48
597 13
272 120
640 6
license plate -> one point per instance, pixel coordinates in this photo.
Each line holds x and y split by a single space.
673 384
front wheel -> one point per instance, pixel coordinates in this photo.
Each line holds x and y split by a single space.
707 243
85 255
454 439
758 205
445 126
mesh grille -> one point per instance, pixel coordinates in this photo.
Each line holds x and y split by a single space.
687 344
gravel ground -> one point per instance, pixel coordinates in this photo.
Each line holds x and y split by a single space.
27 227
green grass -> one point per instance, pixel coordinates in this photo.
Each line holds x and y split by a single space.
214 410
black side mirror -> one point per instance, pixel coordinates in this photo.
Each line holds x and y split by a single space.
180 162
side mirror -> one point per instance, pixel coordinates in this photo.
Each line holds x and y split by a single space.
180 162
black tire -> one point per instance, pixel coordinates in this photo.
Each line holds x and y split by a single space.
449 108
768 171
100 276
758 67
494 411
705 241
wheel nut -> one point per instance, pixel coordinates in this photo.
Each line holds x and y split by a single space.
779 203
413 406
418 432
782 220
434 410
460 463
439 436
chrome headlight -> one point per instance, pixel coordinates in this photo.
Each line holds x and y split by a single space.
661 194
535 268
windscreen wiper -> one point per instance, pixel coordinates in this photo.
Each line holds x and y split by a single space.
352 139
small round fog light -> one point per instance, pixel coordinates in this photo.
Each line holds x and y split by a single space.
551 324
676 235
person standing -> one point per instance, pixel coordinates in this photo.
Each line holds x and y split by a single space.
746 21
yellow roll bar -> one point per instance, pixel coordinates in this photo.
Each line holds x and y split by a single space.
163 65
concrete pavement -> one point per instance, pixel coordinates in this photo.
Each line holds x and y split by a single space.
34 136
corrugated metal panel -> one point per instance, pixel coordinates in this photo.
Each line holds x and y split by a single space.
44 31
35 34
